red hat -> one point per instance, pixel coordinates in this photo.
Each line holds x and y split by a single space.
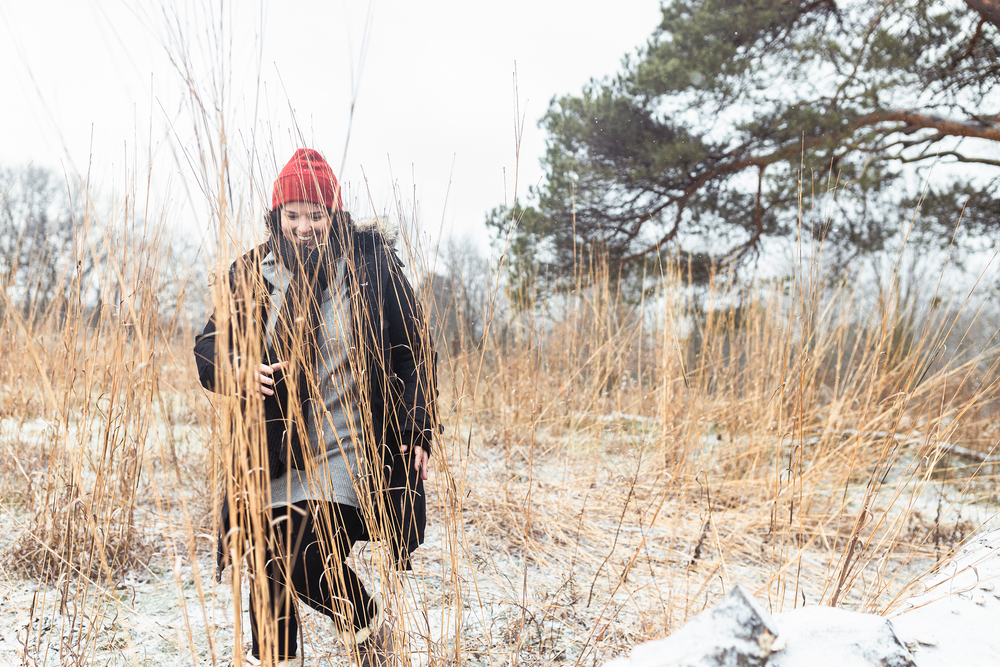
307 177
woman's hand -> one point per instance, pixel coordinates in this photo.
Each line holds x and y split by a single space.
420 460
263 377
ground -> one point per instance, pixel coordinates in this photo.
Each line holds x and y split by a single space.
541 553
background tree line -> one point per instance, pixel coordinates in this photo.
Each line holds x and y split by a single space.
57 251
37 240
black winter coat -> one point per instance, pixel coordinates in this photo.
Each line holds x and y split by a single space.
397 374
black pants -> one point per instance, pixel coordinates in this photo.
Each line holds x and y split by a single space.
305 557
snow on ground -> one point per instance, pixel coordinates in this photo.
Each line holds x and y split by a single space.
954 621
612 558
172 612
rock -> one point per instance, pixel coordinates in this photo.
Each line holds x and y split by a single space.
820 636
951 622
737 632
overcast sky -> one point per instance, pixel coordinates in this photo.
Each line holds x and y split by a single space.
89 86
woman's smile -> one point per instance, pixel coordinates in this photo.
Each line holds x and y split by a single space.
305 223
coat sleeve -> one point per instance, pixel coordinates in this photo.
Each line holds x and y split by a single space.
411 356
206 348
205 355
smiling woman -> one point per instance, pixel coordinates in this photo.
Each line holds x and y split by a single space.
305 223
324 343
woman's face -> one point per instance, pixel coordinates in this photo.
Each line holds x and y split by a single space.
305 223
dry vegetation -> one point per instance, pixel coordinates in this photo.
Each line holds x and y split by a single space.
609 466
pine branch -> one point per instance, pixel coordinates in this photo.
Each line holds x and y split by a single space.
988 9
910 122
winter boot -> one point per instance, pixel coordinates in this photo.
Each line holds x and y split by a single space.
379 650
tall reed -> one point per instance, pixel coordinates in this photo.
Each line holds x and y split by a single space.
611 463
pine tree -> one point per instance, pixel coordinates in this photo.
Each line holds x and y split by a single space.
705 140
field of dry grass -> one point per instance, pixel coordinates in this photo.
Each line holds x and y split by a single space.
609 467
611 462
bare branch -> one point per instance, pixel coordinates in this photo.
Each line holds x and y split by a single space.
915 120
953 154
988 9
910 120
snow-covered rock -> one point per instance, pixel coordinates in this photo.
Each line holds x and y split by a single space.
952 622
737 632
818 636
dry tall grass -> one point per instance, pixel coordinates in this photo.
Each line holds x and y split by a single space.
609 467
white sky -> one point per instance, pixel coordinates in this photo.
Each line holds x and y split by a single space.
89 82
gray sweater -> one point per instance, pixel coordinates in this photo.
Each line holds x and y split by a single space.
334 432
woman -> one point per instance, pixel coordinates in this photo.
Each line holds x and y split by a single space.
324 343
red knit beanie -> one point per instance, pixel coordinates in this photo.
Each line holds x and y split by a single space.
307 177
